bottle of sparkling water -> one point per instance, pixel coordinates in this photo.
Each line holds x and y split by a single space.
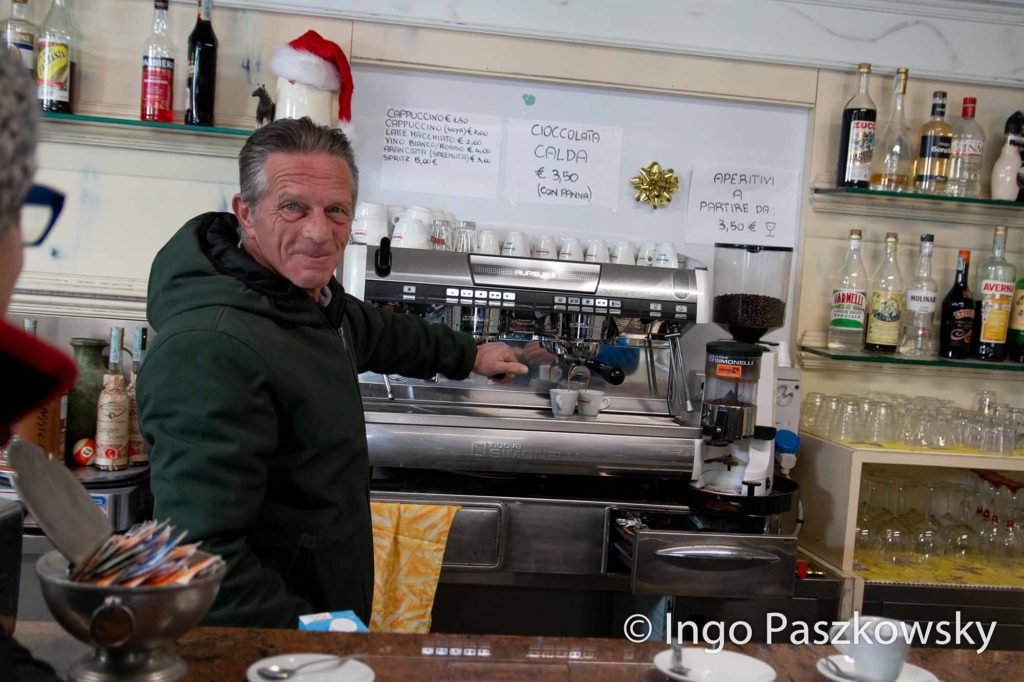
918 334
849 300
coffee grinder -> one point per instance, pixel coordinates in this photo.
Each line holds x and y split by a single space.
738 403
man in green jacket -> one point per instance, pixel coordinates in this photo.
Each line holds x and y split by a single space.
249 399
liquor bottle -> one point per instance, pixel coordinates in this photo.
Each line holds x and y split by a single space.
886 308
19 34
857 136
956 327
112 412
46 426
849 300
54 56
1005 171
1014 130
202 69
995 297
892 160
158 70
1015 337
931 169
917 334
137 452
968 147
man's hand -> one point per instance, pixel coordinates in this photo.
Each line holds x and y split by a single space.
494 359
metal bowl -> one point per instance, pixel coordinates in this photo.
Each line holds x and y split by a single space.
129 626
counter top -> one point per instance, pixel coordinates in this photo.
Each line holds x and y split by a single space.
223 654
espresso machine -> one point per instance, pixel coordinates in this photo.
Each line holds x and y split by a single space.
738 405
551 507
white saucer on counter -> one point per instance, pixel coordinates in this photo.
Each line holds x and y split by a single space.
352 670
910 672
725 666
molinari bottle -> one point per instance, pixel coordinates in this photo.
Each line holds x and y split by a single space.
19 35
893 157
158 70
849 301
957 323
857 136
201 82
112 412
886 307
931 170
1015 338
995 298
917 335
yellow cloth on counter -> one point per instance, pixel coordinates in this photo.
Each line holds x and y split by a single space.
408 548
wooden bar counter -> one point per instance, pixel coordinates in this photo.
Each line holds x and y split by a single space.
224 654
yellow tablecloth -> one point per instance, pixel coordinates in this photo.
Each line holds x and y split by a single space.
408 548
966 571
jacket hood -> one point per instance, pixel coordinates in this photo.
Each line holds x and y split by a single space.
203 265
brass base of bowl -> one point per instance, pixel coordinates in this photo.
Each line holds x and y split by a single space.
137 666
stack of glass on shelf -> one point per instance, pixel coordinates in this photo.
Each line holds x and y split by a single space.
963 519
889 420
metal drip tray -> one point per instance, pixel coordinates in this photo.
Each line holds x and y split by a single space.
525 440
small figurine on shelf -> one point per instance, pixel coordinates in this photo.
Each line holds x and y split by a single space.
265 108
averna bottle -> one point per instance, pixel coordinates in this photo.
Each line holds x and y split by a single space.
54 56
201 82
892 159
956 326
886 308
19 34
857 136
917 334
995 294
849 300
931 170
968 147
158 70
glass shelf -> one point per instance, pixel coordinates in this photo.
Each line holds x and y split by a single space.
814 354
912 206
137 135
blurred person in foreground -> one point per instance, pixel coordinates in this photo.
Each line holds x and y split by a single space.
32 372
249 399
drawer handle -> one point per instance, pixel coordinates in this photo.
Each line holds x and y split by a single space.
717 554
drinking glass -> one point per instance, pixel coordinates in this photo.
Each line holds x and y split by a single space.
441 236
844 425
984 401
828 407
927 534
880 428
463 240
938 430
998 437
808 410
892 537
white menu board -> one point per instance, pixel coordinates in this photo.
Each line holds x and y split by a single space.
742 206
444 152
557 162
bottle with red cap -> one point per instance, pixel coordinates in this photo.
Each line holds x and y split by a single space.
968 146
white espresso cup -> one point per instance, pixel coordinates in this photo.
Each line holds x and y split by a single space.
394 214
487 242
623 253
366 209
877 649
545 247
411 233
420 213
665 256
515 245
645 255
571 249
597 251
563 402
591 402
369 230
550 372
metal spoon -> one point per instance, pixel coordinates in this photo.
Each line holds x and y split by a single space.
277 672
833 667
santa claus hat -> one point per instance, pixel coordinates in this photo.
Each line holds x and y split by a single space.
317 62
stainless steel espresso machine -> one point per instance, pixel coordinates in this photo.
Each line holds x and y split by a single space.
602 506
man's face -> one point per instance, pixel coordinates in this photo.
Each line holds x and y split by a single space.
10 264
301 226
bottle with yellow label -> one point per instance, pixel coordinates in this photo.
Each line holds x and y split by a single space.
54 59
994 301
886 305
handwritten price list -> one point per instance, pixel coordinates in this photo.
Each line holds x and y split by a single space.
427 150
742 206
551 162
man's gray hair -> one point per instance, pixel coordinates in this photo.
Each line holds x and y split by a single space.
289 136
19 120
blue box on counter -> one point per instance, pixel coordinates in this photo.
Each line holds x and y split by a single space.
332 621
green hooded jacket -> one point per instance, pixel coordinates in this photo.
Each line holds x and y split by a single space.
249 401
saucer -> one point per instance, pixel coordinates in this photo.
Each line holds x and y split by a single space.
352 670
725 666
910 672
